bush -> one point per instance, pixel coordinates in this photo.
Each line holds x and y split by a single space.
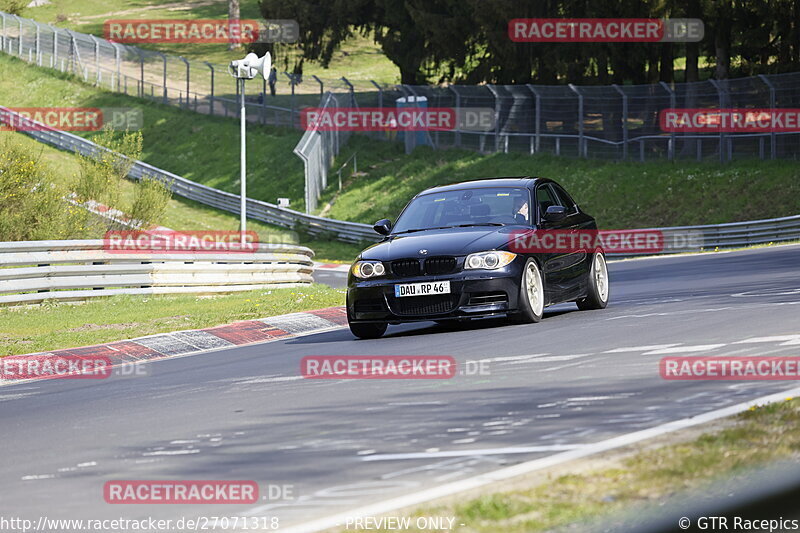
101 172
32 206
150 201
13 7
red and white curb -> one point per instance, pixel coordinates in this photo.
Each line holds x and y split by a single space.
331 267
180 343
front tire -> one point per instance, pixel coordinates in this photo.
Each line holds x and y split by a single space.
531 295
371 330
597 298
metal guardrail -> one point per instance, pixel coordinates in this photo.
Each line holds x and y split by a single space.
696 237
256 209
35 271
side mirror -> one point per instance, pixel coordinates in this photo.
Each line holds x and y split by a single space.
384 227
555 213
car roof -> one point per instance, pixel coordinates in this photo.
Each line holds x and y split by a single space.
519 181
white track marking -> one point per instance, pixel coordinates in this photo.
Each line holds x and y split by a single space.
427 495
685 349
775 338
469 453
641 348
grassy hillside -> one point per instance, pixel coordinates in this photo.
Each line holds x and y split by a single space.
619 195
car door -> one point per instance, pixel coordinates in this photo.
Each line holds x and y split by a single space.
564 272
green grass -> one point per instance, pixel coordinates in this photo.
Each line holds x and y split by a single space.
359 57
186 215
619 195
53 326
748 441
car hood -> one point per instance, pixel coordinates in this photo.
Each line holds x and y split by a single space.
451 241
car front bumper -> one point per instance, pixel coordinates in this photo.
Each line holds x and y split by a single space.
473 293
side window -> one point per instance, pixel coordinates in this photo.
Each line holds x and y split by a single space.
566 199
545 198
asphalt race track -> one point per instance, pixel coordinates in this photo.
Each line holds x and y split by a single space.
574 379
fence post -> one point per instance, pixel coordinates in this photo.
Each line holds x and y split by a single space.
458 114
773 149
671 93
722 150
38 41
538 111
209 65
19 44
164 77
141 71
3 38
96 58
493 90
352 92
118 63
321 85
581 141
188 72
291 112
380 92
55 46
624 121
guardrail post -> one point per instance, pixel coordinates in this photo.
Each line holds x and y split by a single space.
538 124
624 121
188 72
209 65
582 152
722 136
672 104
773 148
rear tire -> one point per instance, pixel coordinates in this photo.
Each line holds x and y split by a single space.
531 295
597 298
371 330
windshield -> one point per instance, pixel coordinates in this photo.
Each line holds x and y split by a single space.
466 207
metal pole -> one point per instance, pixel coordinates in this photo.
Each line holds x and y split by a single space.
581 140
380 92
671 151
96 59
164 77
186 62
55 46
321 85
458 113
141 72
538 125
243 162
352 92
212 85
773 148
721 135
493 89
38 50
118 61
19 44
624 122
3 39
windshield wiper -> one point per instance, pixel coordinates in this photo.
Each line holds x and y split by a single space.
420 229
449 227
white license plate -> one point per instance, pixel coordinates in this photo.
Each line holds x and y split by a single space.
422 289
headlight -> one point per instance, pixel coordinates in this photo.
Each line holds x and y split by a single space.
367 269
489 260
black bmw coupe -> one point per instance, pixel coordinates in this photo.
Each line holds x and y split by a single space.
451 256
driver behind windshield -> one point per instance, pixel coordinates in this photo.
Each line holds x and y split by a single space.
520 210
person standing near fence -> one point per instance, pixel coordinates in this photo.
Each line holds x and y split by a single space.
273 77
